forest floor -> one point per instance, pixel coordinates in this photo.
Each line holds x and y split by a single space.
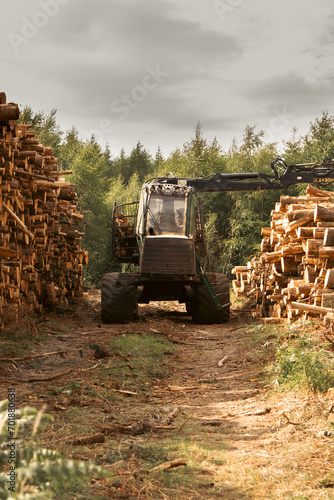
185 411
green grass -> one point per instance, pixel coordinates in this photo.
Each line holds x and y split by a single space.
17 340
143 358
303 365
302 362
182 482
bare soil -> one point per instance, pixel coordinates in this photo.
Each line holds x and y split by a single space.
237 437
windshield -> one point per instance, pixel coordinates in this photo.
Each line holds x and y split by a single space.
166 214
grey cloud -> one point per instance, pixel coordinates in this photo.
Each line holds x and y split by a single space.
99 54
292 90
114 42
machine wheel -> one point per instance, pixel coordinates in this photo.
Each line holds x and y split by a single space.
118 302
204 309
189 308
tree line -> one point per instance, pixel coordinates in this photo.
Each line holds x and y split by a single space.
233 220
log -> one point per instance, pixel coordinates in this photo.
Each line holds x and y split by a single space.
96 438
288 264
322 213
303 290
239 269
271 257
300 222
310 275
292 249
319 232
301 200
308 307
325 224
313 191
305 232
329 279
52 184
311 246
20 223
299 214
329 237
9 111
327 300
326 252
266 231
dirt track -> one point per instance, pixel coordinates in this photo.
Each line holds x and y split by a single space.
239 440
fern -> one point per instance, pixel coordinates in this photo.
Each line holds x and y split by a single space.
40 473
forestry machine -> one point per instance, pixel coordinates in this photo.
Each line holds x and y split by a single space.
163 234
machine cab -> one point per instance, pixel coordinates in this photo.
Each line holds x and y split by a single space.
165 210
167 229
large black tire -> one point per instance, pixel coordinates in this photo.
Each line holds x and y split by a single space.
204 310
118 301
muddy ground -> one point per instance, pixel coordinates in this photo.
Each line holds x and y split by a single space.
207 404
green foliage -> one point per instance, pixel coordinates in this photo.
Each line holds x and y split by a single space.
38 473
213 242
45 126
91 174
319 142
304 365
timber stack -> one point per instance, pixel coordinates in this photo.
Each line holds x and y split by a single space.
294 275
41 259
124 236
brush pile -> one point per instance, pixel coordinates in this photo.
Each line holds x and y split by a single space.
294 275
41 259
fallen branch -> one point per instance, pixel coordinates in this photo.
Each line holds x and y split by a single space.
90 368
289 421
171 417
127 393
42 355
169 465
184 423
54 377
222 361
134 429
95 438
181 388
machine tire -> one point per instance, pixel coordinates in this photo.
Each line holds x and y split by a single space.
189 308
204 310
118 302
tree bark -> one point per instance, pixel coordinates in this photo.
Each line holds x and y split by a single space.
329 237
9 111
313 191
322 213
326 252
329 279
308 307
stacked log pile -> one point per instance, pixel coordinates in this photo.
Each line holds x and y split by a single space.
124 236
41 259
294 275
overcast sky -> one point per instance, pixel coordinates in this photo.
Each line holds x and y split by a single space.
149 70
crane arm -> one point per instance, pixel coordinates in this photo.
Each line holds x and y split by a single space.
284 175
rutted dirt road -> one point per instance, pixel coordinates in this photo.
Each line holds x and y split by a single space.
207 405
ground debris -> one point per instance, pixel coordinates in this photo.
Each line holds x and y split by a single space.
133 429
169 465
95 438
